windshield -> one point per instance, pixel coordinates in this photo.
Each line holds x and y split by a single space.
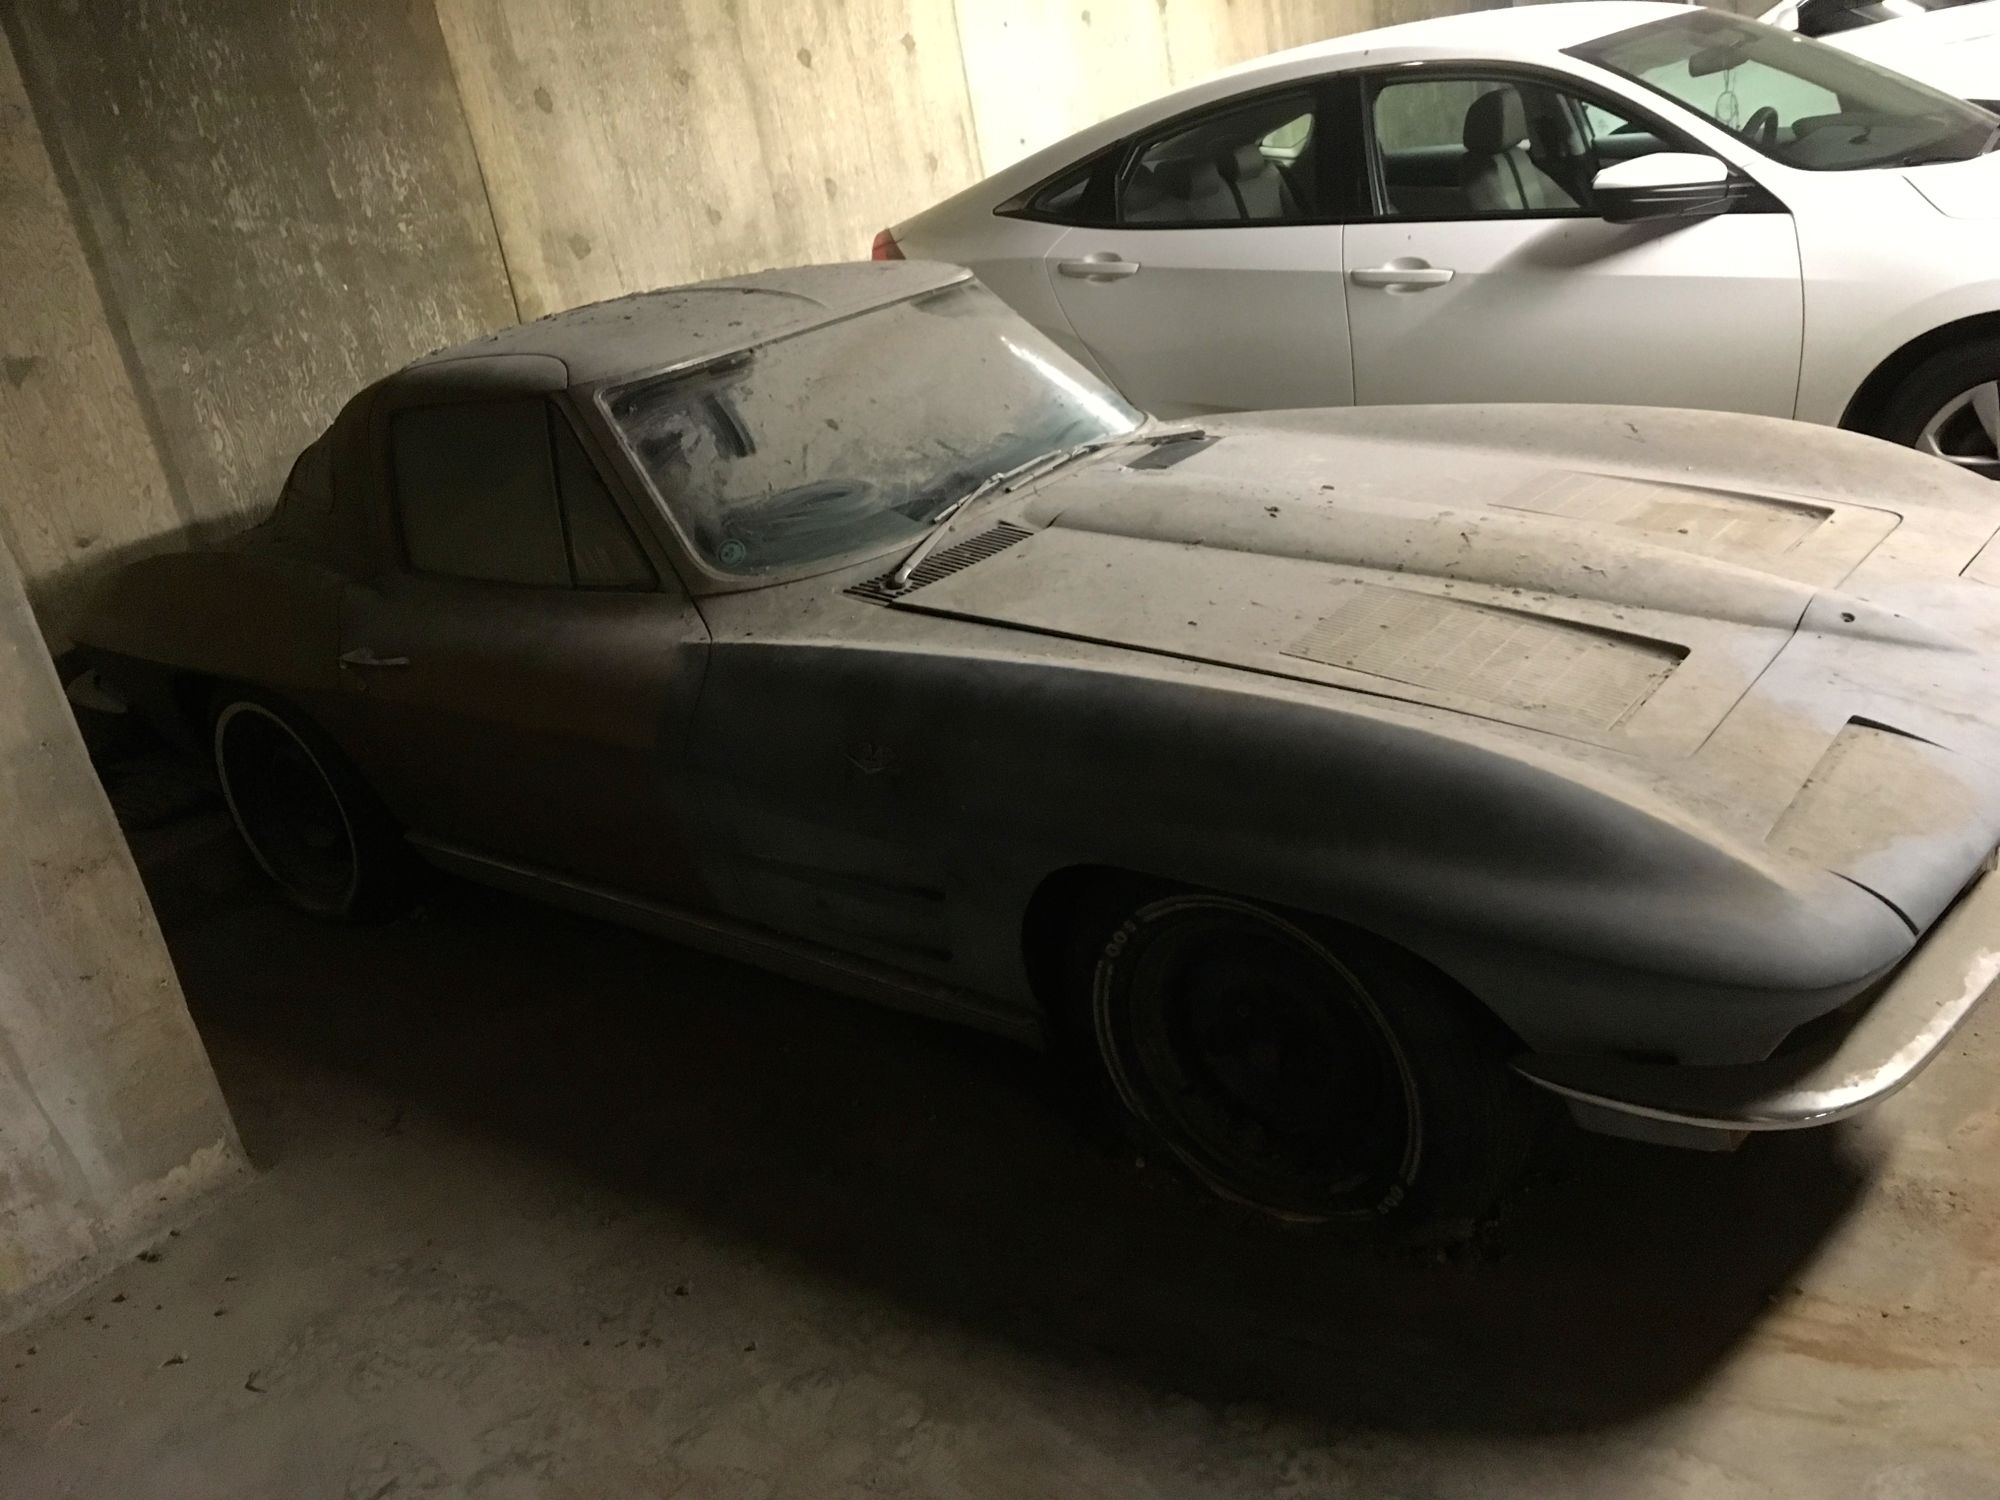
1797 101
848 439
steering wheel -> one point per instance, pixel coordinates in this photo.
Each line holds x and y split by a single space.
1761 129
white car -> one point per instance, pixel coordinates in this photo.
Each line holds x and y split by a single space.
1596 202
1952 45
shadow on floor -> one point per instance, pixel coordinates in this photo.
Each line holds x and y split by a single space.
946 1171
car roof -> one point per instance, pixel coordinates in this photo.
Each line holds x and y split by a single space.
1525 31
650 331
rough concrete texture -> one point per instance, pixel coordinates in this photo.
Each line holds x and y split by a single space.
110 1120
629 144
283 202
555 1210
80 480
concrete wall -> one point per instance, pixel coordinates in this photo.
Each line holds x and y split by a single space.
632 144
110 1121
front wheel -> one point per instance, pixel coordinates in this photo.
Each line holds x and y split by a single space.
1312 1073
1949 407
303 813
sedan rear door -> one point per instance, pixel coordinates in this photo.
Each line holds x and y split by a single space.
1484 274
1213 282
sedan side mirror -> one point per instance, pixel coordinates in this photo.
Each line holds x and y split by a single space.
1664 185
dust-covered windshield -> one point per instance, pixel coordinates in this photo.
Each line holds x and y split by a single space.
847 440
1796 100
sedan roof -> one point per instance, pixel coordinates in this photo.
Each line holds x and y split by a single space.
1517 31
649 331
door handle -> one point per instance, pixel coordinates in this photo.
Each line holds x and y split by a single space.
1403 275
361 656
1103 266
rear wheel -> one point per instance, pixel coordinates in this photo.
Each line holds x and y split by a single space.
1310 1072
1949 407
302 812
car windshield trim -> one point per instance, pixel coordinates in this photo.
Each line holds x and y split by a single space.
1692 60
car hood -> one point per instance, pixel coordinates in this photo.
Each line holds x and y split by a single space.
1961 189
1734 610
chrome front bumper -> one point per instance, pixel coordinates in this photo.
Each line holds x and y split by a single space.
1883 1045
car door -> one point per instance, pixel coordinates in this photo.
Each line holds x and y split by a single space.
1213 281
522 673
1483 273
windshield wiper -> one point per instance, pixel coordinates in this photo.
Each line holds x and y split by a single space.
1040 464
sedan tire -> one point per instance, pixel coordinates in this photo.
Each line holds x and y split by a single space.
303 812
1310 1072
1949 407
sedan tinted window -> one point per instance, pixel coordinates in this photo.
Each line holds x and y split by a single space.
1249 164
476 492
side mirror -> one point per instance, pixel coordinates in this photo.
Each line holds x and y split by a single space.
1664 185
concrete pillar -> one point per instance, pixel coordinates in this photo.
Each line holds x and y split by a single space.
111 1123
82 488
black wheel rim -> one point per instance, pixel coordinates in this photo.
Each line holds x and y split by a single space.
285 807
1262 1061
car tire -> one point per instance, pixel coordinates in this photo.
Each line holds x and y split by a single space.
303 812
1949 407
1306 1070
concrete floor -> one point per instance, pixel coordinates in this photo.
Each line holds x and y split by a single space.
551 1209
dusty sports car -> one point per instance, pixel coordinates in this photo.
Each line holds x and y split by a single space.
1328 777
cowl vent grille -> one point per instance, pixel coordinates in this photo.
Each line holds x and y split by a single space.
953 559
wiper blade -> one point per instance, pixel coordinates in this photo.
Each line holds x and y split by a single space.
1040 464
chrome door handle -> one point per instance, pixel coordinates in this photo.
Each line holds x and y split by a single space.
1408 275
361 656
1102 267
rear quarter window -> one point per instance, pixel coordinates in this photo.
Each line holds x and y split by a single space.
476 493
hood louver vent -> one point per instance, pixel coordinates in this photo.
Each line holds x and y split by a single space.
1168 452
953 559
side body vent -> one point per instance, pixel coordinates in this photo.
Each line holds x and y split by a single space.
953 559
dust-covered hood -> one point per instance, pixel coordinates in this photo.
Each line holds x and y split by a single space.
1714 603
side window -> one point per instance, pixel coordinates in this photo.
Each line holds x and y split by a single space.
475 491
603 552
1470 148
1249 164
306 502
1081 196
1063 199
